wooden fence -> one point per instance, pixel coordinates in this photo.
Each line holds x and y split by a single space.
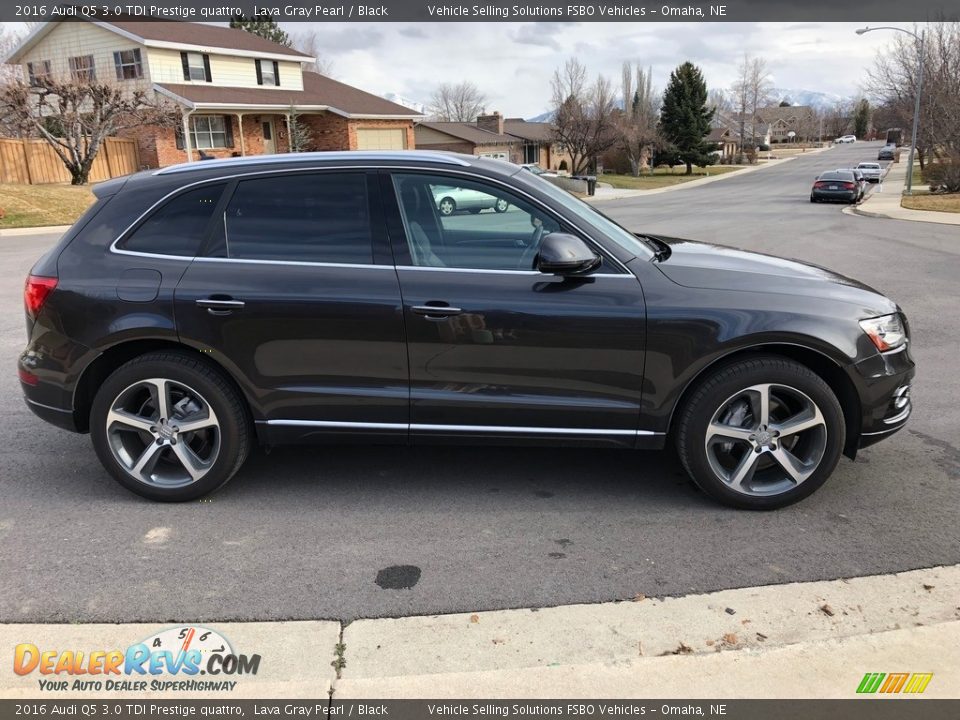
34 162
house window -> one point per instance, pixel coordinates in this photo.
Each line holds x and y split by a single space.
129 64
210 131
38 70
196 66
82 69
268 72
531 153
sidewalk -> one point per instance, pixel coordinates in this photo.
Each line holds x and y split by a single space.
44 230
884 202
801 640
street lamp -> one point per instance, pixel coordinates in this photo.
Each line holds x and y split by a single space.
916 104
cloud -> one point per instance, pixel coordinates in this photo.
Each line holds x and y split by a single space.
412 31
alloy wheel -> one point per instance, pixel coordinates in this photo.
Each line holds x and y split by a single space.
163 433
766 439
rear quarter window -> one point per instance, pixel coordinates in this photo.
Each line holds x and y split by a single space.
179 226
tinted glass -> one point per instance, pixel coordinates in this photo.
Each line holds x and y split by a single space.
458 223
837 176
302 218
179 226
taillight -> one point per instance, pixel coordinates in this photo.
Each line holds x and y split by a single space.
35 293
819 184
848 186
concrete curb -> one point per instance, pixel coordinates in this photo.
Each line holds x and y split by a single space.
23 232
886 206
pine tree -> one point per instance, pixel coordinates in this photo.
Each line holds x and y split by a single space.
264 26
685 117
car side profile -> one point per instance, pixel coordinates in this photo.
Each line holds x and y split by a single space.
198 310
456 199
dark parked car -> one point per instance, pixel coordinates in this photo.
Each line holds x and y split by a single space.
197 310
836 185
860 179
889 152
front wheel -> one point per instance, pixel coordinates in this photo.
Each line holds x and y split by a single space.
761 434
501 205
447 206
169 427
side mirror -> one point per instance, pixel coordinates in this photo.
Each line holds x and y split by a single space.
562 254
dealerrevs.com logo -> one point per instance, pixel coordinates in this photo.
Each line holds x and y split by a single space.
191 658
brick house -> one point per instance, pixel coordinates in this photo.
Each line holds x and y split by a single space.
237 91
494 136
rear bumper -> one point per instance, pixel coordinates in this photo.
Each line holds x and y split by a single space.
62 418
839 195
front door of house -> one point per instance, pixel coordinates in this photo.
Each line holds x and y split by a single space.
269 146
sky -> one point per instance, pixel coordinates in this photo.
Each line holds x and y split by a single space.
512 63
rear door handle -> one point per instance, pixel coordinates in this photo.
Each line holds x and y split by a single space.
436 312
218 306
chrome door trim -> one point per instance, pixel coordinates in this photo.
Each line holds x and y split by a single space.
427 427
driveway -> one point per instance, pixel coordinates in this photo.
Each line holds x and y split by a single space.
303 532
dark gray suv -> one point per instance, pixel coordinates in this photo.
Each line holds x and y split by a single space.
199 309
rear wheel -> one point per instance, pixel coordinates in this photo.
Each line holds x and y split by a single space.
501 205
169 427
761 434
447 206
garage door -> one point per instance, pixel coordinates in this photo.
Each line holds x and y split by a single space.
381 139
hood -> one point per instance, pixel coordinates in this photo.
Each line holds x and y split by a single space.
715 267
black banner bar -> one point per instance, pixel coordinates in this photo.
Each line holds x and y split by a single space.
485 10
894 708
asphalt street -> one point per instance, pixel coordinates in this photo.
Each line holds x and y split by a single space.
308 532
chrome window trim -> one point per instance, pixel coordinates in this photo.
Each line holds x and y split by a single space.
314 168
426 268
307 263
506 429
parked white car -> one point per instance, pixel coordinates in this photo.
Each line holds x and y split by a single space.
453 199
871 171
846 139
537 170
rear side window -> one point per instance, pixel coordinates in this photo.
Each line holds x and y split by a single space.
179 226
323 217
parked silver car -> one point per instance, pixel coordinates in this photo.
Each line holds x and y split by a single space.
454 199
872 171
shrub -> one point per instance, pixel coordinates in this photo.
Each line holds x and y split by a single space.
563 166
943 176
763 147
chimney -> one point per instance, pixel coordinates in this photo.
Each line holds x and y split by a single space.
491 123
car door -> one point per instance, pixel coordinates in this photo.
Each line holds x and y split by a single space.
297 296
498 349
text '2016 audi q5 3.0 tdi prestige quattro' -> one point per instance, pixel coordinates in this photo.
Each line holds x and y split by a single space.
195 310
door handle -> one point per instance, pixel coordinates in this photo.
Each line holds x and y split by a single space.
436 312
220 306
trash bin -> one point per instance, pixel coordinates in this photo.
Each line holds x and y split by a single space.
591 185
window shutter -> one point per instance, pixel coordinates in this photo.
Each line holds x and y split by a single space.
139 62
276 73
178 133
206 68
117 65
228 127
259 72
186 65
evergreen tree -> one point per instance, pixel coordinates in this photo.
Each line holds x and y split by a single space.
861 118
685 117
264 26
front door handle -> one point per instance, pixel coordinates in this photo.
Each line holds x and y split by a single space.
436 311
220 306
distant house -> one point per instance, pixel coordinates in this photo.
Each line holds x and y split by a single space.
494 136
726 128
801 120
727 142
237 91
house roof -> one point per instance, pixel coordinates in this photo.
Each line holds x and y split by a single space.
536 131
180 36
718 134
319 93
787 113
471 133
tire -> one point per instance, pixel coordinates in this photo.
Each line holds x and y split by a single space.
447 206
730 468
812 199
196 394
501 205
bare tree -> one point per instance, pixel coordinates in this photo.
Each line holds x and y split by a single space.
301 134
636 126
584 122
741 102
719 101
837 118
457 102
759 87
76 117
309 43
892 83
8 41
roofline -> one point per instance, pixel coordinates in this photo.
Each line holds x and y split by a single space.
40 31
291 158
199 105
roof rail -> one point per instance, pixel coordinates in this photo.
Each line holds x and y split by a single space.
291 158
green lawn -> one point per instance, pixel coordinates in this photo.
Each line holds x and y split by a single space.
39 205
663 177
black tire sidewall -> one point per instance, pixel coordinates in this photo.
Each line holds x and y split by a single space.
204 380
733 378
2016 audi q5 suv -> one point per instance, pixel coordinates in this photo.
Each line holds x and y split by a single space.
195 310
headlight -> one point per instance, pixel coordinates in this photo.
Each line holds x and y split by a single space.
886 332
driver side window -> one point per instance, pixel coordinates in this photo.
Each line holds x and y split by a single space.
458 223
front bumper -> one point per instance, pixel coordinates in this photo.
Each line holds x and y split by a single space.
885 384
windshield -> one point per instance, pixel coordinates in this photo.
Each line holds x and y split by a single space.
624 238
